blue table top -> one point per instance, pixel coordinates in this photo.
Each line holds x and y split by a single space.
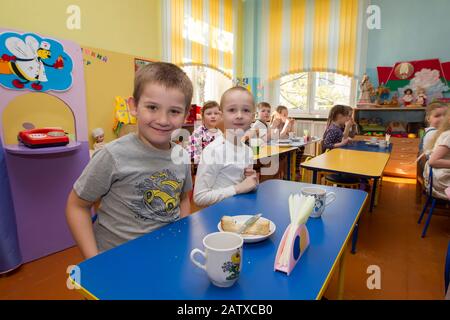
157 265
363 146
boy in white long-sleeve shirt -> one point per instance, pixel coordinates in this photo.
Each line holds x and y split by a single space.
226 165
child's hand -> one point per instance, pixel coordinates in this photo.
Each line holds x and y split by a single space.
247 185
245 137
349 123
276 122
249 171
345 141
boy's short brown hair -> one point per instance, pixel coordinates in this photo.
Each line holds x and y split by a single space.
238 88
263 105
209 105
165 74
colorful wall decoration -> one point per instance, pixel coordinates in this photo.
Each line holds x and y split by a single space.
430 75
90 55
254 85
29 62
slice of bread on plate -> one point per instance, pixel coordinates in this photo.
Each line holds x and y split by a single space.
260 228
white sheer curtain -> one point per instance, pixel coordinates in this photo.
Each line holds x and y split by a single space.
209 84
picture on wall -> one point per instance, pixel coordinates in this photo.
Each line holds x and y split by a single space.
29 62
428 76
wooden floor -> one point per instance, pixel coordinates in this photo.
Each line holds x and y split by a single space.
411 267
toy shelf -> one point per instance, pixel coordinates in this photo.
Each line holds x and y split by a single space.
23 150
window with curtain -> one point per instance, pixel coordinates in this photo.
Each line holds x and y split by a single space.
202 32
310 93
312 36
313 52
209 84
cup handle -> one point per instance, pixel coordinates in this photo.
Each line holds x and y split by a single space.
198 264
331 196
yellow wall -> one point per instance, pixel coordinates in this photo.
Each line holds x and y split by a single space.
126 26
105 81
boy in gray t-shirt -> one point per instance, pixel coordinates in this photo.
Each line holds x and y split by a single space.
140 188
142 179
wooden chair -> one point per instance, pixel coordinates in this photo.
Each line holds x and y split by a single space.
321 175
306 175
420 184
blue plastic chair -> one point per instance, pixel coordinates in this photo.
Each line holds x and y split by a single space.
431 199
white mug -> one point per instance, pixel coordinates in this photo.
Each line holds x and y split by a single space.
223 257
323 199
382 144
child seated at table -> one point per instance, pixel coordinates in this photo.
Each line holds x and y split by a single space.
434 115
439 159
262 123
281 124
226 164
338 128
142 179
260 129
336 135
207 132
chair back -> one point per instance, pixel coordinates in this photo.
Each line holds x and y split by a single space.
319 148
306 174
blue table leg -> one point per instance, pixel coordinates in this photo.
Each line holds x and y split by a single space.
355 237
374 192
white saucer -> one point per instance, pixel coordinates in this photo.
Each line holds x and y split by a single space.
255 238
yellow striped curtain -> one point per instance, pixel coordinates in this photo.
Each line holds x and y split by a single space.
202 32
312 35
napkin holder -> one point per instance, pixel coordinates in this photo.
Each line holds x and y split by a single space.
299 246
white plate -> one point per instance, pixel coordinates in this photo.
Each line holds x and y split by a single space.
288 143
247 238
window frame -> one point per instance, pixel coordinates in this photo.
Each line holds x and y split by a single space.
310 112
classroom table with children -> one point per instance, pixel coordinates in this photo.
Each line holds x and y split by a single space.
157 265
138 248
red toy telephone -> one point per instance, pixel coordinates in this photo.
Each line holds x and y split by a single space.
43 137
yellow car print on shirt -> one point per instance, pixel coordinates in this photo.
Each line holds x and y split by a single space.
169 201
